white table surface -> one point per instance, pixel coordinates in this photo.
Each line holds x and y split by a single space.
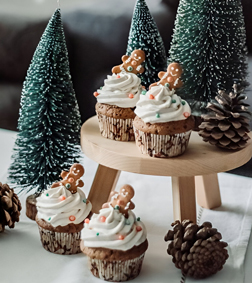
22 258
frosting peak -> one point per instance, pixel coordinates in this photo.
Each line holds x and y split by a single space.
161 105
122 90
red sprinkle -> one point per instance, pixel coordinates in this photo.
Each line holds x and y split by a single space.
96 93
118 77
186 114
86 221
72 218
138 228
131 95
121 237
62 198
102 218
151 96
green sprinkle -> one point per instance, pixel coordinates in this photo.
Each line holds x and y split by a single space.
173 101
167 85
157 115
138 218
68 186
117 207
97 234
101 87
47 195
84 200
49 218
144 92
183 102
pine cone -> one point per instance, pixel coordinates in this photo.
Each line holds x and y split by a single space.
10 207
227 125
196 250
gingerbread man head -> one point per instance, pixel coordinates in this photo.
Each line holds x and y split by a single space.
170 78
132 63
71 180
121 200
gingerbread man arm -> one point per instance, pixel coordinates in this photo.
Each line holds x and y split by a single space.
125 58
54 185
161 74
116 69
80 183
140 69
156 83
64 174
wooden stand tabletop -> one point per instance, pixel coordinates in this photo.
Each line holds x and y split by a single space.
200 159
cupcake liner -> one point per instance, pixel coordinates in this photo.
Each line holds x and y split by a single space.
60 243
116 271
161 145
116 129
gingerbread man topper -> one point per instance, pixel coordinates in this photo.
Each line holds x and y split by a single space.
71 180
170 78
132 63
121 200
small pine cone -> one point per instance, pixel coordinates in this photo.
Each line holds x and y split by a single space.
10 207
227 123
196 250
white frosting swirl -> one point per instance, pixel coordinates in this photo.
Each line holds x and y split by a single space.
116 232
58 206
165 106
118 89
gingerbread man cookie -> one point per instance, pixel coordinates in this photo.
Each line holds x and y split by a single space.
121 200
132 63
71 180
171 77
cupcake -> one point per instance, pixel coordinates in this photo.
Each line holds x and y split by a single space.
115 240
163 121
117 99
62 210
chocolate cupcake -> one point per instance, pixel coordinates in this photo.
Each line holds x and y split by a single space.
163 123
62 210
116 101
115 240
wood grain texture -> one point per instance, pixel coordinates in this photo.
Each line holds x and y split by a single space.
200 158
183 194
207 191
104 182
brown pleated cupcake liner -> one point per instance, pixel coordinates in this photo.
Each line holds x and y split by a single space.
162 145
60 243
116 271
116 129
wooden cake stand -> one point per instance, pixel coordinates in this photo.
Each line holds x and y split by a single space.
194 171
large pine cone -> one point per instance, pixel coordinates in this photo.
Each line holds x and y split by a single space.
10 207
227 123
196 250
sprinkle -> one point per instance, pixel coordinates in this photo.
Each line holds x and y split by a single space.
157 115
144 92
71 180
138 218
97 234
62 198
100 87
183 102
167 84
127 222
68 186
118 77
121 237
49 218
138 228
95 94
72 218
131 95
173 101
86 221
186 114
151 96
117 207
47 195
102 218
84 200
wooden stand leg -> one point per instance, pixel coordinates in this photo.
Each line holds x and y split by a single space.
207 191
184 203
104 182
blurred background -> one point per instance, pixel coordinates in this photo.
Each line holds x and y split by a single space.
96 33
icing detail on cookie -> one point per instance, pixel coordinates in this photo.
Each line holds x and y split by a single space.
110 231
116 90
166 103
60 210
